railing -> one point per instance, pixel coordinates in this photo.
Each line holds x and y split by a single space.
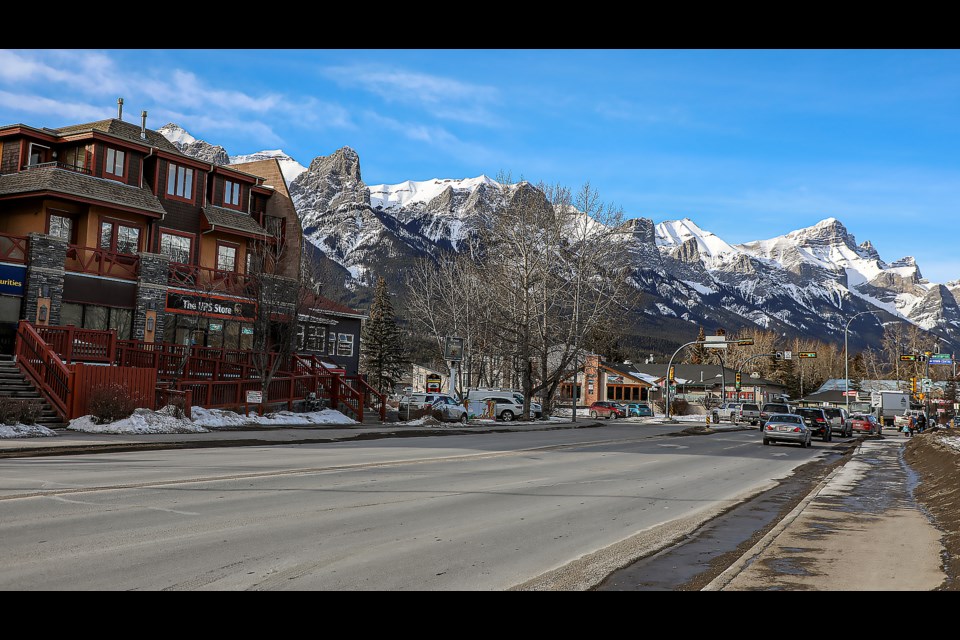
102 262
194 276
13 248
58 165
39 361
182 399
372 398
74 344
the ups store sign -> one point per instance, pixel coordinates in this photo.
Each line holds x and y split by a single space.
211 306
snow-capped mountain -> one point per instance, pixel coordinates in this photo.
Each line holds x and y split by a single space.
289 167
806 283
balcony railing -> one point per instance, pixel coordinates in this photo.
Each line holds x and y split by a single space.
194 276
102 262
13 248
58 165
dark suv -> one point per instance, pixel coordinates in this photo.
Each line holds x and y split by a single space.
607 409
771 408
839 421
817 421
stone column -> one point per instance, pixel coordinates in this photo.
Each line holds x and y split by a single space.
45 261
151 288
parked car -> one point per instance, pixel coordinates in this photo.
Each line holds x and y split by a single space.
787 427
749 412
865 423
904 419
771 408
839 421
446 409
418 401
607 409
639 409
480 395
506 407
817 421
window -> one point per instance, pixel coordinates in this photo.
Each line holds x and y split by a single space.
315 335
180 181
226 257
61 227
332 349
300 336
231 192
119 238
115 162
38 153
78 158
345 345
177 248
254 261
91 316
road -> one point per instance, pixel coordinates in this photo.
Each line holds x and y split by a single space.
531 510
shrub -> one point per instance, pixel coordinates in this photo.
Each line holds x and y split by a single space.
110 403
16 410
679 407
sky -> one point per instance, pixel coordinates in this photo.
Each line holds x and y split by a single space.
749 144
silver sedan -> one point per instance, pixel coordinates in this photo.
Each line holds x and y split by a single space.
786 427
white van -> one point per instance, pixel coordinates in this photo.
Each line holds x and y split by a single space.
482 394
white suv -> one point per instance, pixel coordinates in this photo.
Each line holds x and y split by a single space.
418 401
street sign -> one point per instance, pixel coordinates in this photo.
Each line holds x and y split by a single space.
807 354
745 341
849 393
908 357
715 342
941 358
254 397
788 355
926 384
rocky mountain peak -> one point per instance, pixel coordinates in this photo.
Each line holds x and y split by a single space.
190 146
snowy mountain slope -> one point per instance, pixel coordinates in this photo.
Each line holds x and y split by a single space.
806 283
289 167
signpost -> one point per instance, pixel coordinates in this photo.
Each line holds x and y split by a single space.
941 358
806 354
253 397
908 357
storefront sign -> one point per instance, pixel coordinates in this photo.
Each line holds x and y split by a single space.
247 331
215 327
12 279
614 379
210 306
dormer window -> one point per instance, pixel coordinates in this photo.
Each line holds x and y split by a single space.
115 163
180 181
231 193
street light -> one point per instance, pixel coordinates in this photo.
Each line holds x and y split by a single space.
846 359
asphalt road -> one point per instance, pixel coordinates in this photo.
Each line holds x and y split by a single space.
556 509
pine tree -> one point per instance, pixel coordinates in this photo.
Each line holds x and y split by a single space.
698 353
382 354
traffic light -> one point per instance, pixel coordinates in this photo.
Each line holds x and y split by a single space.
672 379
738 381
913 385
778 355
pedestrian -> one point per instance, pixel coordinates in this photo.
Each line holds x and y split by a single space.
921 423
909 427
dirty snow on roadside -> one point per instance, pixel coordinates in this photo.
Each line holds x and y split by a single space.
218 418
25 431
142 421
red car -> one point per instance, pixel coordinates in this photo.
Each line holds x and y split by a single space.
607 409
865 423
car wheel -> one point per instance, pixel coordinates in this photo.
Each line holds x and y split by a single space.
593 414
506 416
766 441
463 419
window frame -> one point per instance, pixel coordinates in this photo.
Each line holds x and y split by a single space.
173 170
115 234
163 231
111 174
342 340
238 191
236 255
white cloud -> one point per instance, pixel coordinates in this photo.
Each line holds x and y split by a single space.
444 98
34 104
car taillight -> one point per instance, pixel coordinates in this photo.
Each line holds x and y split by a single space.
820 420
769 427
796 429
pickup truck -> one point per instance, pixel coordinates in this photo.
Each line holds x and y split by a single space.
749 412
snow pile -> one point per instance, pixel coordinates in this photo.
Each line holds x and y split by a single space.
25 431
218 418
142 421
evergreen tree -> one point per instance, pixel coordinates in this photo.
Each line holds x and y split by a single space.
698 353
382 354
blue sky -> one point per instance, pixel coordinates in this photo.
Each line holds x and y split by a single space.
749 144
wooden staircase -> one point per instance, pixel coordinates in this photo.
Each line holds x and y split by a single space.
15 384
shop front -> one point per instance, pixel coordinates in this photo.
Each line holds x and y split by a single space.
209 321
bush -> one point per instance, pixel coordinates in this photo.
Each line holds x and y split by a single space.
679 407
110 403
22 411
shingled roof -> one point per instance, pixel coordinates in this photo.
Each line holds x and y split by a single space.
121 129
56 180
221 218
